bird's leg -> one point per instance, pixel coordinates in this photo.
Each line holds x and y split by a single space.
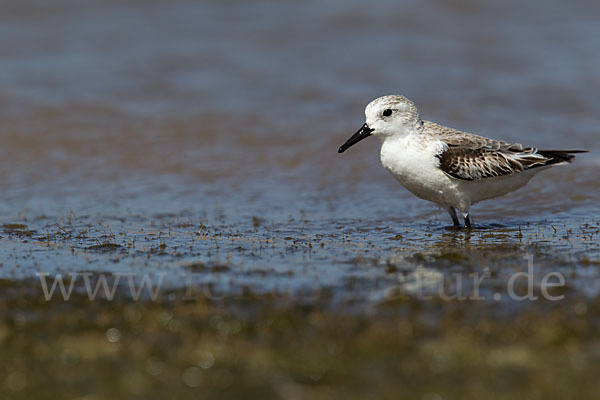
455 220
467 220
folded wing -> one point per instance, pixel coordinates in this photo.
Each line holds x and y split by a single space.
471 157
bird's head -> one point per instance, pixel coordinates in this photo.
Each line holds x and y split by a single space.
387 116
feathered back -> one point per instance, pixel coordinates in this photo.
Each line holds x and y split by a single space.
470 157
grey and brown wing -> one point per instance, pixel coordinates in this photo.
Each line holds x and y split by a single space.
454 137
468 156
472 164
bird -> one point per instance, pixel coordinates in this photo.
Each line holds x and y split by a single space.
451 168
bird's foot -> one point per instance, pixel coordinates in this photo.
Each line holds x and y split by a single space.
467 220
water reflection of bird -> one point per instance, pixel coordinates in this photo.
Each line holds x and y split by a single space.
446 166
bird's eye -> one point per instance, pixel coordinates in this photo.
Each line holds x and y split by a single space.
387 112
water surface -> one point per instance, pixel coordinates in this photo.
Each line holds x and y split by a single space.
195 142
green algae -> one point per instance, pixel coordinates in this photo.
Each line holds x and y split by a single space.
264 346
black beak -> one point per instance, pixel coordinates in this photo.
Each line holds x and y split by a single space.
362 133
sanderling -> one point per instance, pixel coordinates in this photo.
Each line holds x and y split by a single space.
446 166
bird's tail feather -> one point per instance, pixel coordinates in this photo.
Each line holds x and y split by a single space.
560 156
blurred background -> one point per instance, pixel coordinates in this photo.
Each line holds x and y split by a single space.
199 139
212 99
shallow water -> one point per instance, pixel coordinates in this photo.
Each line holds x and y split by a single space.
195 142
212 115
